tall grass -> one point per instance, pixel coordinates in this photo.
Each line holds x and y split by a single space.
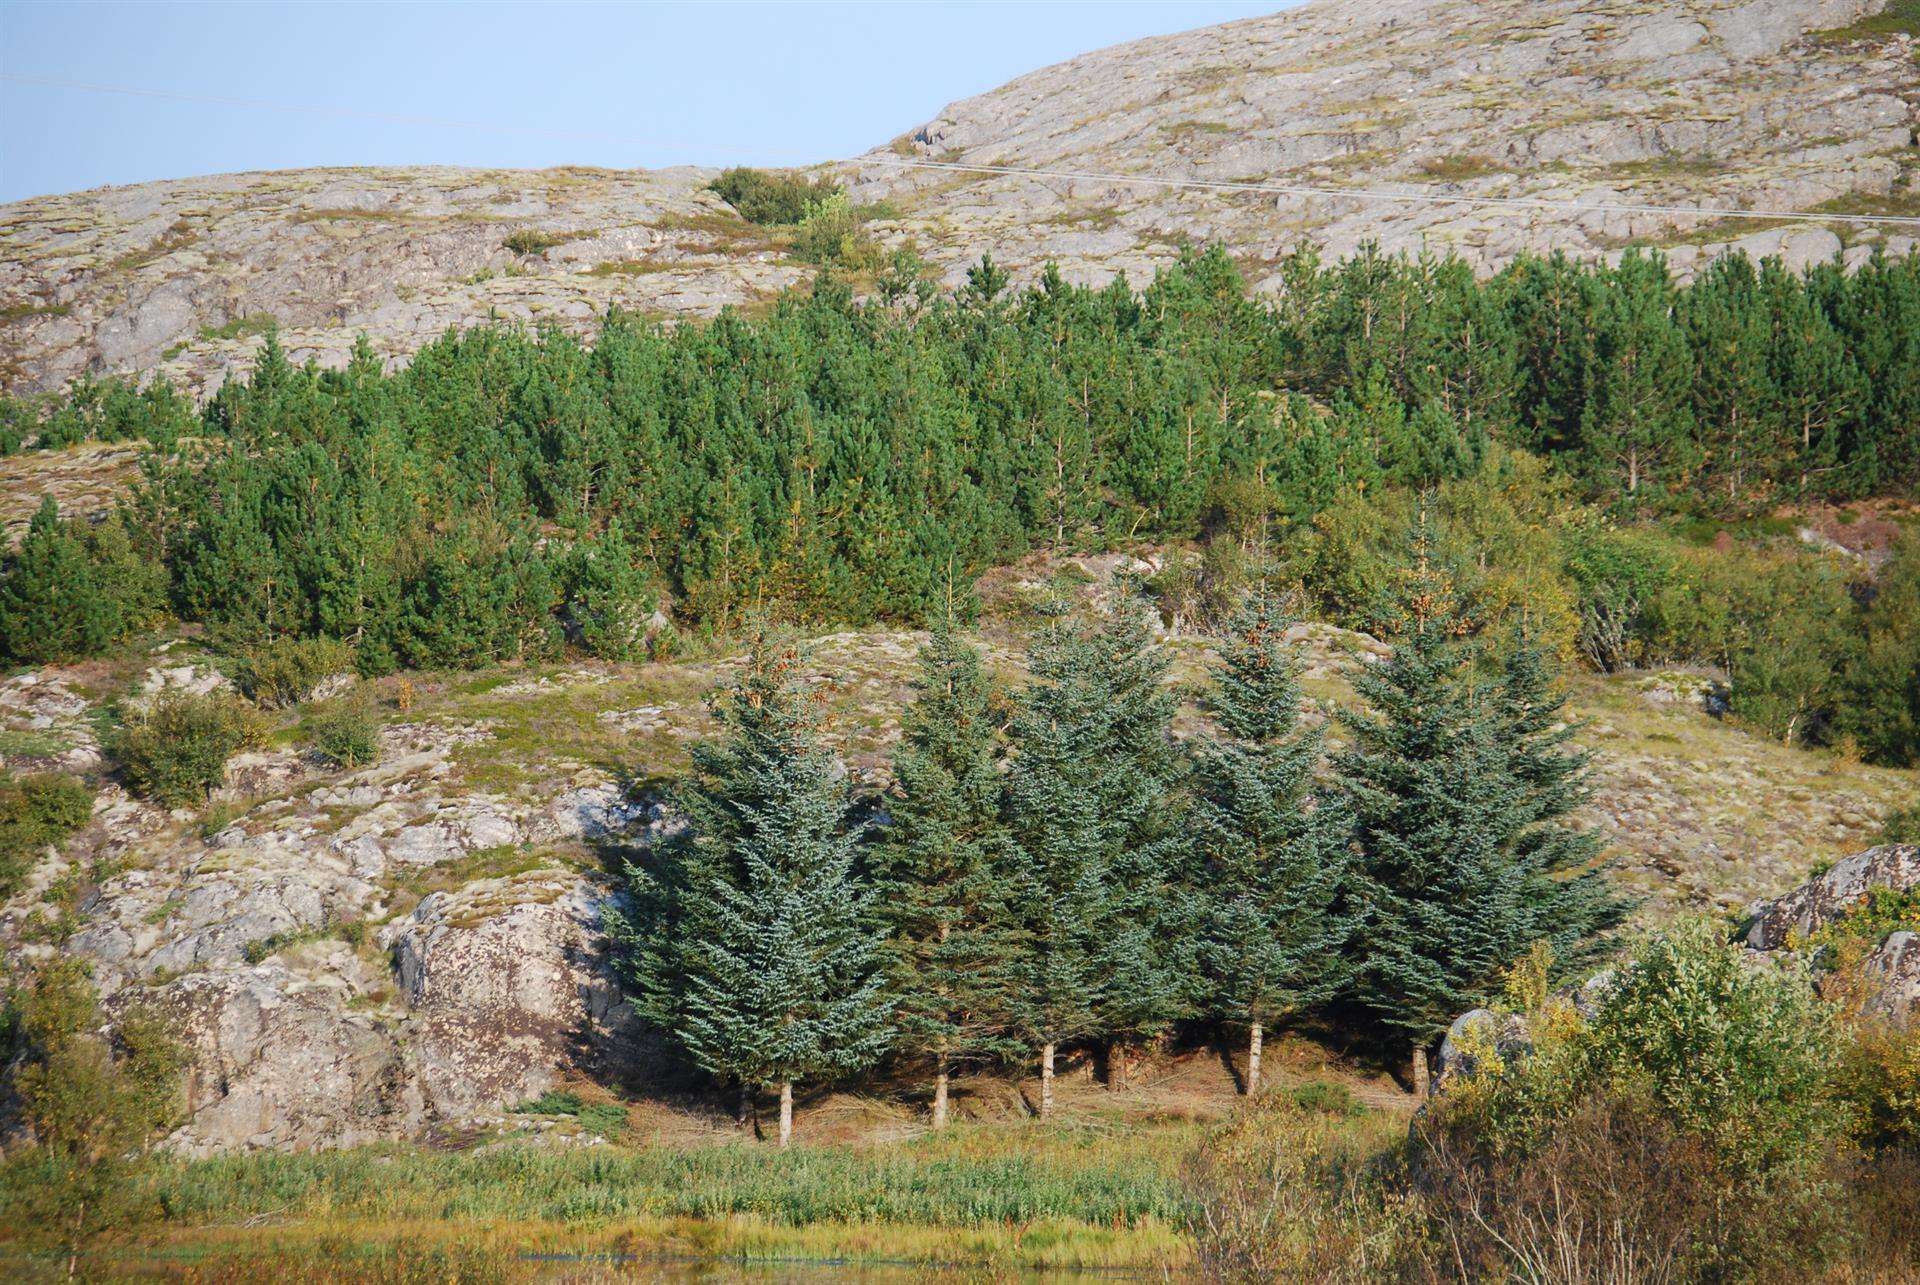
958 1180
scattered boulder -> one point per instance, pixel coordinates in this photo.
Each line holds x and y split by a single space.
1832 894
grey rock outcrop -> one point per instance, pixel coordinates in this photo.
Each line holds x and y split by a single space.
1723 106
1832 894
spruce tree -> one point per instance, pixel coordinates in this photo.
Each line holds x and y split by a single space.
1270 859
749 941
941 870
1458 809
1094 814
51 609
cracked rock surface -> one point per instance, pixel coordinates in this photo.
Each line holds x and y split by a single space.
1725 105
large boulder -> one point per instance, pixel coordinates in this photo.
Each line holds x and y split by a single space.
279 1060
505 989
1832 894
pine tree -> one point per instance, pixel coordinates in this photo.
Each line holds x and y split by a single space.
1270 859
749 940
51 609
1458 802
940 872
1094 814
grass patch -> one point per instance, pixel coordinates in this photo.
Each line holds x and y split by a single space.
22 311
966 1176
1460 167
177 237
631 268
1900 17
534 241
17 744
246 327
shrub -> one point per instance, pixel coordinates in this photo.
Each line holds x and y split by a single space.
830 232
769 198
1735 1053
36 811
285 671
1283 1192
349 732
176 750
533 241
1902 825
92 1105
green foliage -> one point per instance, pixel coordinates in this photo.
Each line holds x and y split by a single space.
509 494
1459 788
552 1102
1738 1055
285 671
1270 861
104 410
348 732
50 607
1093 802
92 1106
941 868
534 241
830 232
750 942
772 198
175 750
1902 825
36 812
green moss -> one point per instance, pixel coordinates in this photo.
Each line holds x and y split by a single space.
244 327
1900 17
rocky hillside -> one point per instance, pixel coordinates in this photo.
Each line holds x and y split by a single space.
357 954
1752 104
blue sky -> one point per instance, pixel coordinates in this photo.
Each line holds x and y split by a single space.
509 83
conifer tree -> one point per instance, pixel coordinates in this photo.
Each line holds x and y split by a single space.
1093 810
1457 808
749 941
940 873
1270 859
50 607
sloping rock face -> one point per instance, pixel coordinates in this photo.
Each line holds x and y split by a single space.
1725 104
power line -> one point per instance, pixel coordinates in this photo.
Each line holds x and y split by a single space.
1410 198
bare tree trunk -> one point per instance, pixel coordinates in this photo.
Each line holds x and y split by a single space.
940 1096
786 1113
744 1116
73 1249
1116 1066
1255 1039
1046 1080
1420 1085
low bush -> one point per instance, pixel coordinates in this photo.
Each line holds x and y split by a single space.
1901 825
35 812
830 232
175 751
771 198
349 732
285 671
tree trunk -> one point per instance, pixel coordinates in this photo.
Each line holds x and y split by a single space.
1254 1041
1420 1086
1116 1066
73 1249
786 1113
940 1096
744 1116
1046 1081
